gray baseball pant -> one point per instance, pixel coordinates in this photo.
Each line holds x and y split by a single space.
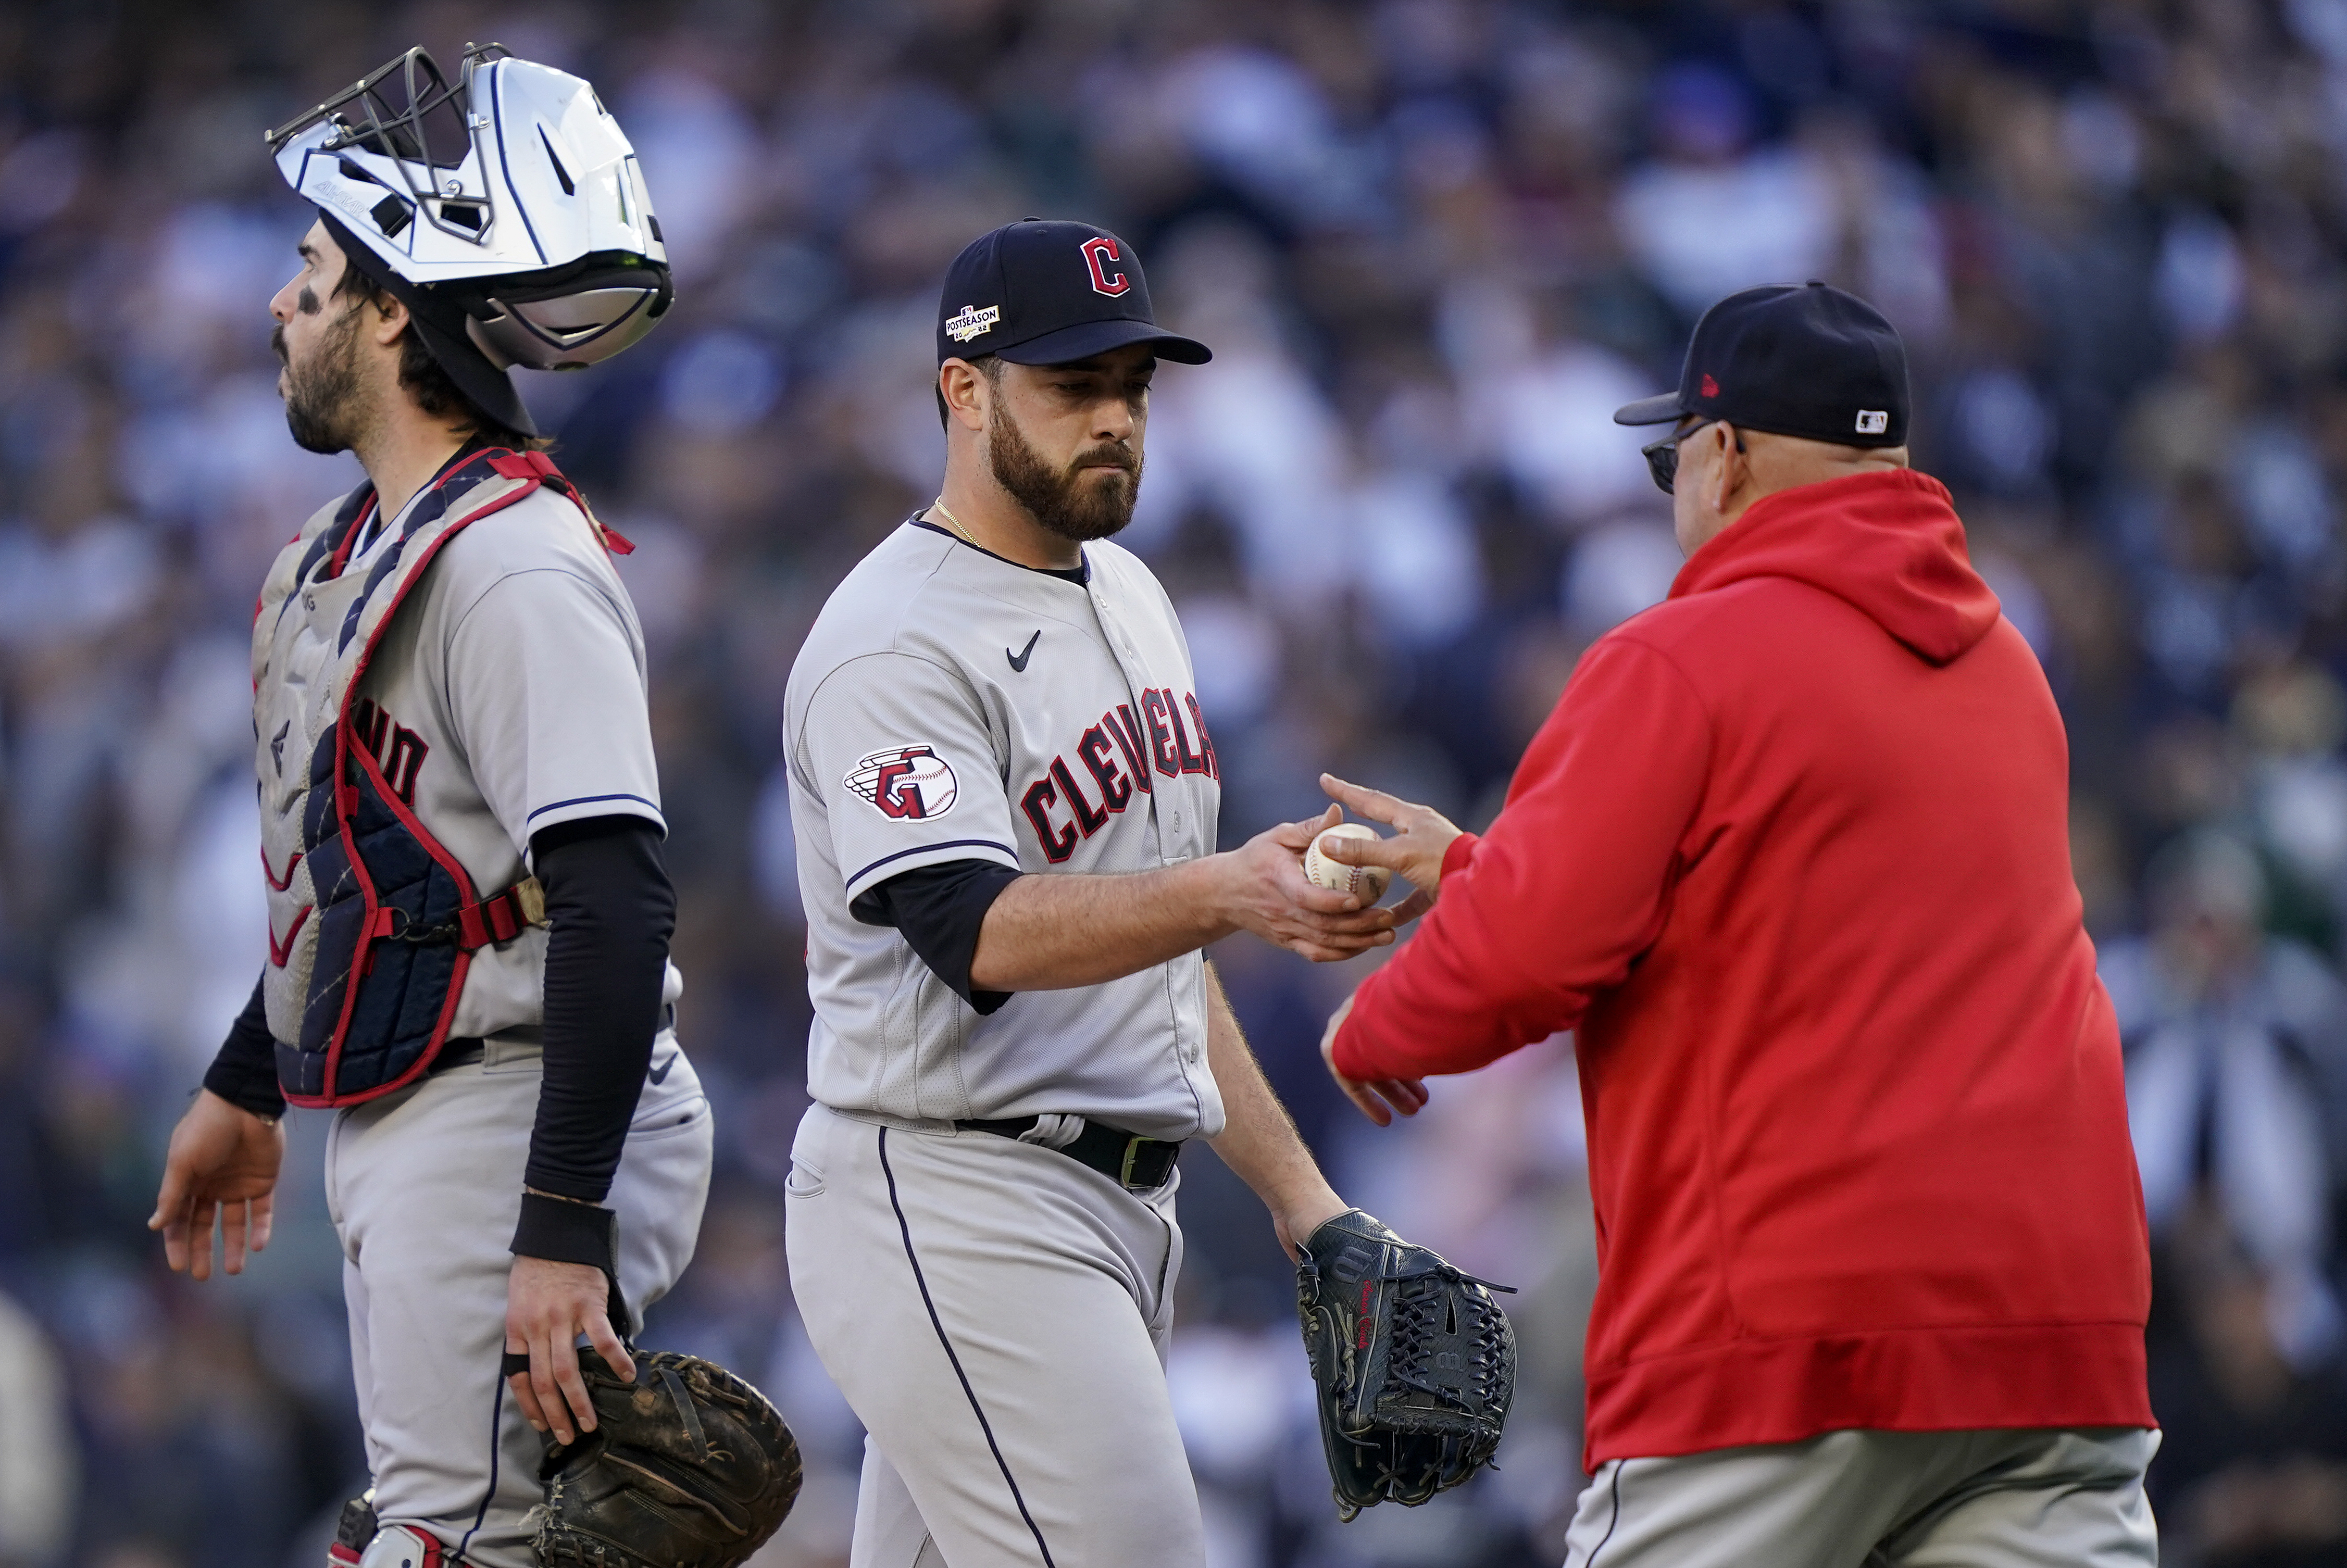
997 1316
2009 1499
425 1187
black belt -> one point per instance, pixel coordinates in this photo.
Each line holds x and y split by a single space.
466 1049
1136 1163
462 1051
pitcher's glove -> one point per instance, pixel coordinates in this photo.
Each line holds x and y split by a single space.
688 1466
1414 1360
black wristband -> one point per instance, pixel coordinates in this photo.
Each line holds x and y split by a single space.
247 1090
563 1232
244 1072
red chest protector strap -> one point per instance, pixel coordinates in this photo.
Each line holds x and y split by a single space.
539 467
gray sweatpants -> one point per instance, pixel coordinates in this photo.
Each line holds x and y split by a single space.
2018 1499
997 1316
425 1187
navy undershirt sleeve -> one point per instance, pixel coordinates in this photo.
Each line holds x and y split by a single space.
612 911
244 1073
938 910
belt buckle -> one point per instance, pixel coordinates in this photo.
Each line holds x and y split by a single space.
1133 1148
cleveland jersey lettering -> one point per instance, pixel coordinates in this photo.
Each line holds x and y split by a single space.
1114 759
397 750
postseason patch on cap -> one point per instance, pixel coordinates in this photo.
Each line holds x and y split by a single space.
969 322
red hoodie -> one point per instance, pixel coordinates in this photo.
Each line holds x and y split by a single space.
1790 860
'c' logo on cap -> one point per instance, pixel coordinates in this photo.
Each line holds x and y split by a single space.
1099 251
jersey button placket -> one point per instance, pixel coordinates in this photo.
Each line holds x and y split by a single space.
1121 649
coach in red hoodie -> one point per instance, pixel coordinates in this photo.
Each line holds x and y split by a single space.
1790 860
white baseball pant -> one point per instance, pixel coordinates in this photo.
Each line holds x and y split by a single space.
2025 1498
997 1316
424 1187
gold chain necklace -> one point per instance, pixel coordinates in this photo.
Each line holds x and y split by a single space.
939 507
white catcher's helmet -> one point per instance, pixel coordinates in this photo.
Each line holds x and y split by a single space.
507 210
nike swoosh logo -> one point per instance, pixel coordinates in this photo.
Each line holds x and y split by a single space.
1019 659
660 1074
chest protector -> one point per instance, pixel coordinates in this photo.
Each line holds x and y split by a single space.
372 922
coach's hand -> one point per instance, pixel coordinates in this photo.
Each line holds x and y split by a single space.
1422 837
1267 892
548 1306
222 1162
1406 1095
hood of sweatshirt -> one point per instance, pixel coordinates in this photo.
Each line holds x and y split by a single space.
1888 543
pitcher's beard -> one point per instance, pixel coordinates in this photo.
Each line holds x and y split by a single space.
322 393
1067 502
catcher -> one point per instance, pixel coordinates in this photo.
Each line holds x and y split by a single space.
469 917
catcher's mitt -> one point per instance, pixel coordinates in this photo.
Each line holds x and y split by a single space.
688 1466
1414 1360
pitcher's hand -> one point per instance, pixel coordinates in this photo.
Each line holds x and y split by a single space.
1294 1225
222 1162
1422 837
1264 890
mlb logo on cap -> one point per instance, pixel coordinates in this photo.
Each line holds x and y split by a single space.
1037 293
1794 359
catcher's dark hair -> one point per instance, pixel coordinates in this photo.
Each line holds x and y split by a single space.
420 376
988 366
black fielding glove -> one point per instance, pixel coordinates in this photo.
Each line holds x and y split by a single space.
1414 1363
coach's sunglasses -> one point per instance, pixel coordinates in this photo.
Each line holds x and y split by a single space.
1663 456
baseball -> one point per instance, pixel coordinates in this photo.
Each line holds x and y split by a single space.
1367 882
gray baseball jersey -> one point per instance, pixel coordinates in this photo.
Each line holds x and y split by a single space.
509 695
952 705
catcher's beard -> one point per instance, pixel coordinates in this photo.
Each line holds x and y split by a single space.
325 401
1070 502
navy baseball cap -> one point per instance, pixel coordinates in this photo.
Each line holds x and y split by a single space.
1039 293
1796 360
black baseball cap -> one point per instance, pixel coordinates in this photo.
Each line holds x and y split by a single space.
439 322
1796 360
1039 292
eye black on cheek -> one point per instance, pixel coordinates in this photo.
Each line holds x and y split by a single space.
306 301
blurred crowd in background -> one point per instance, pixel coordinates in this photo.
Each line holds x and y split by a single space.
1433 243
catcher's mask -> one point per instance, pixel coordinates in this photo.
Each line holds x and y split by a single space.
510 202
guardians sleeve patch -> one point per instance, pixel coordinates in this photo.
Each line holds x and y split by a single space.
906 783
